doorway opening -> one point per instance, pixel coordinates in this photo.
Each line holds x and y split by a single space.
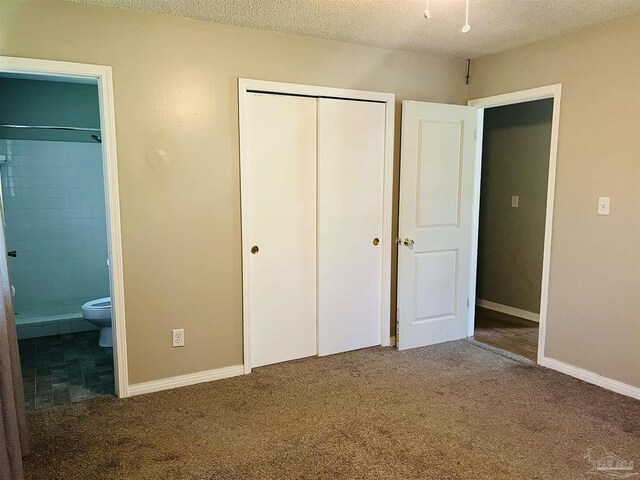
515 212
61 221
54 208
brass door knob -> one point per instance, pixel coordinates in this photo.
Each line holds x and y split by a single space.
376 241
408 242
255 249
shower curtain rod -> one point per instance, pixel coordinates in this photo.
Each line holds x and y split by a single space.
52 127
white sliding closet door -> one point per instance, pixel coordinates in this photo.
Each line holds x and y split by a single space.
351 146
281 199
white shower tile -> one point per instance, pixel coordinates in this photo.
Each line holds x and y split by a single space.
44 195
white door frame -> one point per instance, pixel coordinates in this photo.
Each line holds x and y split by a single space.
540 93
102 74
246 86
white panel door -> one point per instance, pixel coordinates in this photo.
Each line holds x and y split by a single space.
351 142
435 226
281 199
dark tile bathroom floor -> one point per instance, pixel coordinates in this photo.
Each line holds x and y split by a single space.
65 368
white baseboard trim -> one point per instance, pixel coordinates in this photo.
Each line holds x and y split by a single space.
516 312
592 377
184 380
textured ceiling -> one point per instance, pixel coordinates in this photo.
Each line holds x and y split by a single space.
496 25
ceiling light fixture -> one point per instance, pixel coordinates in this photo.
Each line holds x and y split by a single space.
465 29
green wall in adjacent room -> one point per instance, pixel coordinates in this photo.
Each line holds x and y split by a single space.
43 102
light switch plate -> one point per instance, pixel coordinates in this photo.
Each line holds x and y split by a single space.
603 205
514 201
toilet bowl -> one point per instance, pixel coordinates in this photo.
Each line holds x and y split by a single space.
98 312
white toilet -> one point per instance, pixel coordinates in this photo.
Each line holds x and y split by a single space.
98 312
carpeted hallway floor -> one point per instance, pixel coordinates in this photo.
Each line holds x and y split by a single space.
452 411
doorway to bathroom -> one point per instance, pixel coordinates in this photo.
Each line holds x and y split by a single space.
58 221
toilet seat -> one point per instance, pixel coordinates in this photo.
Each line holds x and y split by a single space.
99 309
98 304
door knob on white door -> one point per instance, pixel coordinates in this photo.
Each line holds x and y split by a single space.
408 242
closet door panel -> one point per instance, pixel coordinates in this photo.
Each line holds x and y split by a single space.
281 140
351 136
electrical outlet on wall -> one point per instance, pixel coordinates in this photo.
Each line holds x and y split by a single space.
514 201
178 337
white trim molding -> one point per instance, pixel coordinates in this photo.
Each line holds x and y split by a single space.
513 311
244 87
540 93
592 377
185 380
101 74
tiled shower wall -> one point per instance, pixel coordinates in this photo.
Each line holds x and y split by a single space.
54 203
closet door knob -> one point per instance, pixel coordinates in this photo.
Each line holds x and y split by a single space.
255 249
408 242
376 241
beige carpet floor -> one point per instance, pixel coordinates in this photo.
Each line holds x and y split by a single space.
452 411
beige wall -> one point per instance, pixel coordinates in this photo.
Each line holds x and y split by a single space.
515 161
177 133
594 302
176 115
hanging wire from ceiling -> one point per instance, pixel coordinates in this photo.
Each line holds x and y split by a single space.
465 28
